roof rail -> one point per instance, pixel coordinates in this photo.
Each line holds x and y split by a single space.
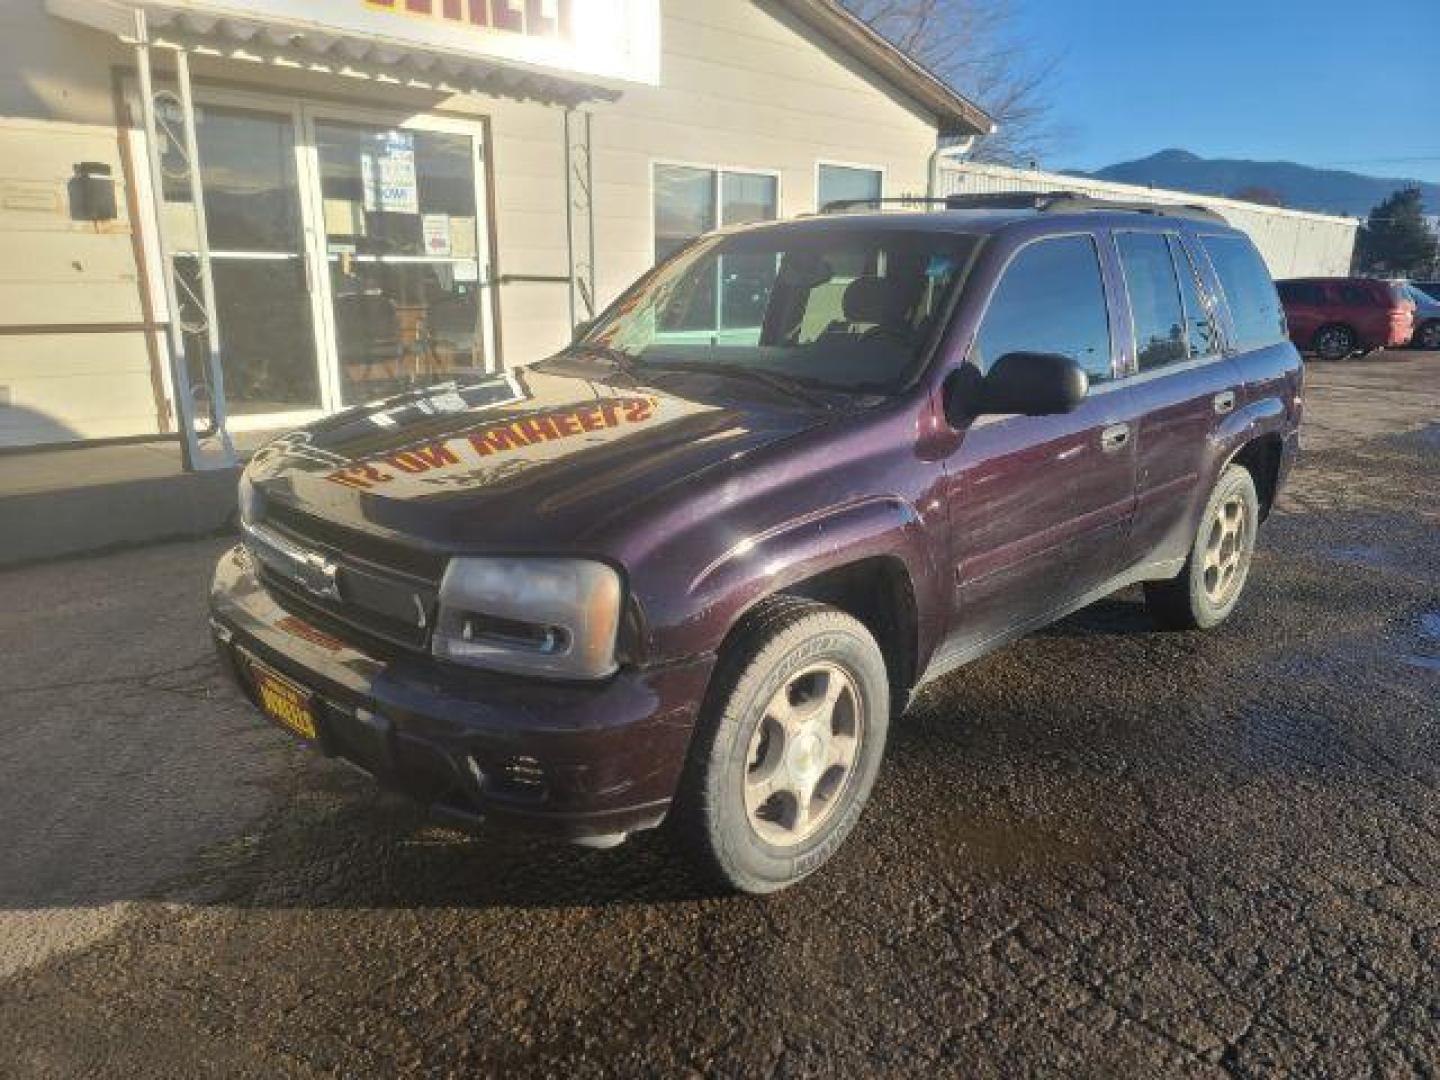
1051 202
841 206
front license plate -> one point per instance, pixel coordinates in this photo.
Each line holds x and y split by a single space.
283 701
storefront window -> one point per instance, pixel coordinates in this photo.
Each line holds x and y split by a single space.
844 183
684 207
691 201
401 233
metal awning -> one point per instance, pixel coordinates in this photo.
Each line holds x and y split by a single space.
355 46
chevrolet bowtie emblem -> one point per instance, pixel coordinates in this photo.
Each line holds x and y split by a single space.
315 573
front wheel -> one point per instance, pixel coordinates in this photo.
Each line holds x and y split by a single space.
787 747
1428 336
1207 589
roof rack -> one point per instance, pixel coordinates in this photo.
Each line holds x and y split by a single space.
1050 202
841 206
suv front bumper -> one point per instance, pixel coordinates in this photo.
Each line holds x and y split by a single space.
578 761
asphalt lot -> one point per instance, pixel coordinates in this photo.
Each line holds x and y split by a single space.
1104 849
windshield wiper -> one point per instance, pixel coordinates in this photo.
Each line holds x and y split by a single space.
619 358
774 380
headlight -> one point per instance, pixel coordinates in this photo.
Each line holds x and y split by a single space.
553 617
250 499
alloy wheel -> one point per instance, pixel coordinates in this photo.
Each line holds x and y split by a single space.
1226 551
803 754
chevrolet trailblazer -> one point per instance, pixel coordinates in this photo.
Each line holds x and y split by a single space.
688 569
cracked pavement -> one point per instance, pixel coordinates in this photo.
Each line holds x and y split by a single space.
1102 850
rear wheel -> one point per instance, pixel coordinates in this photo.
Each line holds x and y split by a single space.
787 748
1207 589
1334 342
1428 336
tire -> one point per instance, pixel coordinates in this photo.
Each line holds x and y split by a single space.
1428 336
800 702
1210 584
1334 342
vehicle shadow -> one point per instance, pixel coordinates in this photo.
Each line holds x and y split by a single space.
1123 614
347 844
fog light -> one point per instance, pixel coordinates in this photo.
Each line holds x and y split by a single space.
514 634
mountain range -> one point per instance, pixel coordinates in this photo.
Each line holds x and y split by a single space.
1300 187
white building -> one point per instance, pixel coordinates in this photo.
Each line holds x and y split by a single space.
1295 243
395 189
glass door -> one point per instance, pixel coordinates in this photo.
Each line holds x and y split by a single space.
403 234
257 239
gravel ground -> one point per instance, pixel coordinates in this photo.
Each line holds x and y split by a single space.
1103 849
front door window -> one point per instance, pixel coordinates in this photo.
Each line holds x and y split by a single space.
1050 300
402 251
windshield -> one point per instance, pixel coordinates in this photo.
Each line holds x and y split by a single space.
849 309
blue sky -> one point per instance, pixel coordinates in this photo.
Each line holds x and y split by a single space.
1351 84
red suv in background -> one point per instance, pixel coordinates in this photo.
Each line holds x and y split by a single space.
1338 317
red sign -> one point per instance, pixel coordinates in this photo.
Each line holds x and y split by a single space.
535 18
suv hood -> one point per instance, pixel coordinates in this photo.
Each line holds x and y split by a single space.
540 457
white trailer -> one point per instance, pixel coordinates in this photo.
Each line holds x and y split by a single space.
1295 243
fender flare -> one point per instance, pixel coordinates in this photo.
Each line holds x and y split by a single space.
801 548
1264 416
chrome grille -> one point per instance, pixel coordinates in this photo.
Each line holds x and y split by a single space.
323 583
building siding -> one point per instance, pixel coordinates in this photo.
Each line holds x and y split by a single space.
742 85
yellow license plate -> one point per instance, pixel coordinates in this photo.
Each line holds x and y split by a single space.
283 701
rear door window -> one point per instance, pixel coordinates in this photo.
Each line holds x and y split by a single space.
1051 299
1155 308
1249 292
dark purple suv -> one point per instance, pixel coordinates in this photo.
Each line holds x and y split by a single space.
689 568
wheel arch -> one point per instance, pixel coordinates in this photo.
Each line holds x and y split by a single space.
1261 457
871 561
879 593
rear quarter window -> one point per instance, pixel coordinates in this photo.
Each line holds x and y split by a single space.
1249 291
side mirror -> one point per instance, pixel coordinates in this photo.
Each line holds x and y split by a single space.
581 329
1030 384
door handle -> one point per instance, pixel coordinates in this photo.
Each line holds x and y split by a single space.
1225 402
1114 437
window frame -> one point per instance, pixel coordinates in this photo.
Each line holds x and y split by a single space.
821 163
1133 372
719 171
1107 263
